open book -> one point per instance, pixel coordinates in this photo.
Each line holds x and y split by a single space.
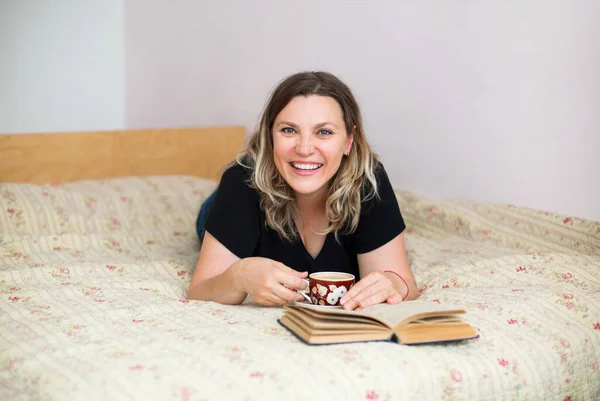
409 322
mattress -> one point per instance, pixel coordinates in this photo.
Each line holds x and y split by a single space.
93 281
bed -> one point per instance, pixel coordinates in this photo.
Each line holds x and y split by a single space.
98 244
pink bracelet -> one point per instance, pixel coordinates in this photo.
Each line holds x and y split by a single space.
404 281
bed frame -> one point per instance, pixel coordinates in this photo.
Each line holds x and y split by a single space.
63 157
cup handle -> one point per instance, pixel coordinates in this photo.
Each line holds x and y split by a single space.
305 292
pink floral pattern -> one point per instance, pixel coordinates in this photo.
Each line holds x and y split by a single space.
93 279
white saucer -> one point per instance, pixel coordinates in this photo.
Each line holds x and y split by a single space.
320 306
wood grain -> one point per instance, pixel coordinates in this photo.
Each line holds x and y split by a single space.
62 157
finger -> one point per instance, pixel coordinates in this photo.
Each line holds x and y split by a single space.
358 287
286 276
286 294
289 270
273 300
374 299
299 296
364 294
268 296
395 299
292 281
306 284
378 297
376 293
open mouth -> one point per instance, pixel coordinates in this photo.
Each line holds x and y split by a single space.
306 166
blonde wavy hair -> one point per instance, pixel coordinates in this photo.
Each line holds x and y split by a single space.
354 181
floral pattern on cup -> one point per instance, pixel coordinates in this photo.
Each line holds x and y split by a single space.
326 288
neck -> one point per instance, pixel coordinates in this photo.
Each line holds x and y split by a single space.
311 205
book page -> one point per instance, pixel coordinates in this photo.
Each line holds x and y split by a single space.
392 315
333 338
319 320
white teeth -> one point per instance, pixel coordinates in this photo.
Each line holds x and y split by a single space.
306 166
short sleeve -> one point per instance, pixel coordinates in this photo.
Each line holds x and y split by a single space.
380 218
233 218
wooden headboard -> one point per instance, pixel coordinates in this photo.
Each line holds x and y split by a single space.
61 157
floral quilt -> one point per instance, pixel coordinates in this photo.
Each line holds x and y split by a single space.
93 279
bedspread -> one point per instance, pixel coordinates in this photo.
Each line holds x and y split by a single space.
93 279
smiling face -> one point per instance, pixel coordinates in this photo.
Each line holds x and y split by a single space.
309 142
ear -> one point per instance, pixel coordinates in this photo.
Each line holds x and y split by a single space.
349 143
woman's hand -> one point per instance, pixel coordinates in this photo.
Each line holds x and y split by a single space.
269 282
376 287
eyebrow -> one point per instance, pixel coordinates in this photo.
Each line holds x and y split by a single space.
291 124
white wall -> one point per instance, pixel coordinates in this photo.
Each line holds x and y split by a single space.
61 65
487 101
484 101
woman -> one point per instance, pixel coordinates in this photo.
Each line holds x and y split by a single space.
307 195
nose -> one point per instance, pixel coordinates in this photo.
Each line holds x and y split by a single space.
304 146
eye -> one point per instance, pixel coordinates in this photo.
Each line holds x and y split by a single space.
324 132
288 130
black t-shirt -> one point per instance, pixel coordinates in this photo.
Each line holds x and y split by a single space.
237 221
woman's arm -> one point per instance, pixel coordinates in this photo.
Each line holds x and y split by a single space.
222 277
377 285
216 274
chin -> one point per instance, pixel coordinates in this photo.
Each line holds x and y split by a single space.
306 189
